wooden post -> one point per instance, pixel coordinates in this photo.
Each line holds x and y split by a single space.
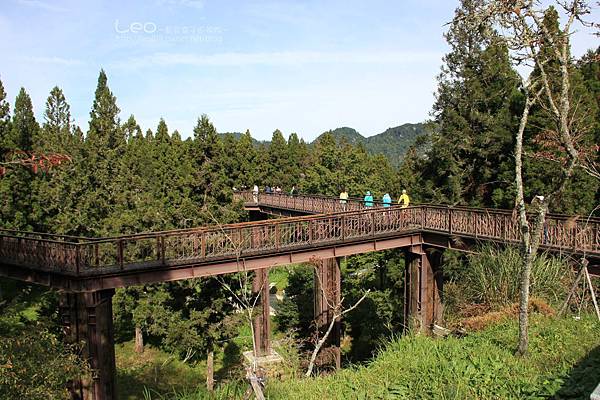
139 339
210 368
327 294
120 253
262 318
423 290
87 318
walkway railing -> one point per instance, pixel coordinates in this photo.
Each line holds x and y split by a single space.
171 248
561 232
87 257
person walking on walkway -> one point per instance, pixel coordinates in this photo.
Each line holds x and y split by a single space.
255 193
404 200
387 200
368 199
344 198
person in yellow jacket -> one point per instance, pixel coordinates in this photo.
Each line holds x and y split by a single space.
343 199
404 200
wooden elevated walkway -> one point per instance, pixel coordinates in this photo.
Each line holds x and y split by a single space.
320 229
84 264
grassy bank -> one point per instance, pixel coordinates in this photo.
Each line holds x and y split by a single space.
564 363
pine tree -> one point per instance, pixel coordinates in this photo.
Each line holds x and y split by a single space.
56 131
323 176
78 135
162 133
210 189
297 159
24 126
105 133
176 137
131 129
589 67
475 115
51 189
4 121
104 147
277 162
248 161
16 187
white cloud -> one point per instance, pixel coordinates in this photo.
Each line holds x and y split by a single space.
53 60
284 58
41 5
198 4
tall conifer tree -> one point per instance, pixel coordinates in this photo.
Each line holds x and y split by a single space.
475 116
56 131
24 126
4 121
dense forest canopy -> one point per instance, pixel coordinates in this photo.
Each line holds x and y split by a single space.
122 180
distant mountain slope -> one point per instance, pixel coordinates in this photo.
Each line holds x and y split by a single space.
392 143
350 135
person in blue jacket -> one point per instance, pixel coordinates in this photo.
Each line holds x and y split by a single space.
387 200
368 199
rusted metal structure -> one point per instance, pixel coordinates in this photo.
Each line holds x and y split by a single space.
87 270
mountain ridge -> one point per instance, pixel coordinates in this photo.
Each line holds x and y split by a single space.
392 143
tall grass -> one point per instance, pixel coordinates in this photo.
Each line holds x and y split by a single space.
492 277
564 363
230 390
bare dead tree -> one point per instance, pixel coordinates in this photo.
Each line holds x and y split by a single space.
521 24
337 311
247 298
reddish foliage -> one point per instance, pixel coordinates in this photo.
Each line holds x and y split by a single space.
478 322
551 148
36 162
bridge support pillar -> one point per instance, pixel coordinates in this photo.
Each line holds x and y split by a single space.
87 317
262 317
423 288
328 290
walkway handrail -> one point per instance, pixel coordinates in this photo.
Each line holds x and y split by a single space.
340 223
247 198
561 232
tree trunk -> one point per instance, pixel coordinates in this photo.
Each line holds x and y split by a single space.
210 368
523 227
139 340
524 303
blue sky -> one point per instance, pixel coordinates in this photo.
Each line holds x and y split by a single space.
302 67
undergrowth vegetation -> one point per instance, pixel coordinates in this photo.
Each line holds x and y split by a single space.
564 363
35 363
564 359
488 281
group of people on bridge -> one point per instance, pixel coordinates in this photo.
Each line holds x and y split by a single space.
386 200
368 200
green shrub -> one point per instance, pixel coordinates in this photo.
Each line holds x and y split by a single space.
35 364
